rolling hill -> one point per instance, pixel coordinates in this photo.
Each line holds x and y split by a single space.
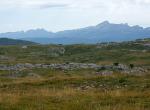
7 41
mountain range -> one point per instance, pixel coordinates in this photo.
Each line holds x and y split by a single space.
103 32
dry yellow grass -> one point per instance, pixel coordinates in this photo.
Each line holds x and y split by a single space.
70 93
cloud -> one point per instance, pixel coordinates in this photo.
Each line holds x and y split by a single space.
42 4
46 6
59 14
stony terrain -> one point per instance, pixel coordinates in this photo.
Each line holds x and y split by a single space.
74 66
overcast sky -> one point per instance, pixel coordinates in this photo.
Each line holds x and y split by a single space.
56 15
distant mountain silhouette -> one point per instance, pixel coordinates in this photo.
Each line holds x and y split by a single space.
103 32
6 41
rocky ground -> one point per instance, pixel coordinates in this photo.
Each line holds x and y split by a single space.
100 69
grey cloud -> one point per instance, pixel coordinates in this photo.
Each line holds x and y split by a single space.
46 6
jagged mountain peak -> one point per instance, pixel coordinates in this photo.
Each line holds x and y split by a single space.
37 30
104 23
107 24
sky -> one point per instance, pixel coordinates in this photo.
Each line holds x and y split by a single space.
58 15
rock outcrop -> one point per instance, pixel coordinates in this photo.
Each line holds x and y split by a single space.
101 69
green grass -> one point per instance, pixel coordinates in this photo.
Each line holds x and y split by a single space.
76 92
77 53
82 89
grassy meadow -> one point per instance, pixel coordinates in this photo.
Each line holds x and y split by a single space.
71 91
82 89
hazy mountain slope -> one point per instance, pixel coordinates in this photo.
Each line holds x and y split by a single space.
38 33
